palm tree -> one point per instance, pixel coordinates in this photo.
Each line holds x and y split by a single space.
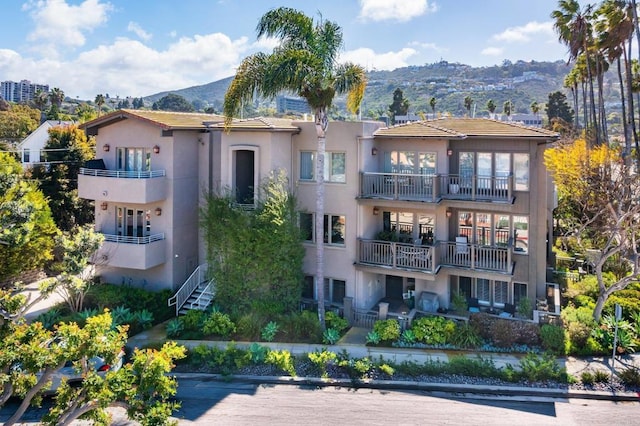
507 108
56 96
535 108
468 102
491 107
432 103
574 29
40 99
303 63
100 100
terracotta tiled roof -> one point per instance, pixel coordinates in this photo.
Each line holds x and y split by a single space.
460 128
168 120
261 123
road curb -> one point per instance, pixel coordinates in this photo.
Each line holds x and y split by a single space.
451 388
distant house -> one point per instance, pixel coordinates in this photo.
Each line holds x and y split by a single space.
31 148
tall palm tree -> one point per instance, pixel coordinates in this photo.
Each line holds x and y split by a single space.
507 108
432 103
574 28
468 102
100 100
491 107
40 99
303 63
56 96
535 108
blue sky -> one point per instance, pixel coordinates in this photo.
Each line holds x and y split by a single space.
141 47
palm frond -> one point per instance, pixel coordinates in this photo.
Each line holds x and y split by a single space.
248 77
352 80
286 24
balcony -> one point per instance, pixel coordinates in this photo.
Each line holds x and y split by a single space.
397 255
134 252
138 187
428 259
433 188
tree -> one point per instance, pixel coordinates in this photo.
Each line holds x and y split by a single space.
603 198
256 256
18 122
41 99
173 102
557 107
432 104
468 103
99 101
491 107
26 226
78 264
85 112
507 108
399 106
56 96
535 108
67 149
303 63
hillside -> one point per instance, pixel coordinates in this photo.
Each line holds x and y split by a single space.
521 82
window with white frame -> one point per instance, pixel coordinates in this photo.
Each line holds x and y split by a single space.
134 159
488 292
334 166
521 171
495 230
483 291
500 292
496 167
521 234
25 155
334 228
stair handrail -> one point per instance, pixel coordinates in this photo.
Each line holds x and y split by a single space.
197 277
205 291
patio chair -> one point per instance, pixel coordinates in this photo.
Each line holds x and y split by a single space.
509 311
473 305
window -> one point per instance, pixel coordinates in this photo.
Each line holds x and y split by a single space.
134 159
521 234
501 232
519 292
500 292
483 290
334 228
133 222
410 162
25 155
483 229
308 288
306 226
334 166
521 171
334 291
464 286
427 163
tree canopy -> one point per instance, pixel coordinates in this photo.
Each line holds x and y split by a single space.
17 122
27 228
173 102
399 106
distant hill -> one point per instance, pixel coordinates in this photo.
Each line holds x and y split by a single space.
521 82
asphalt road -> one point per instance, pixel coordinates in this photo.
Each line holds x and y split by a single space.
216 403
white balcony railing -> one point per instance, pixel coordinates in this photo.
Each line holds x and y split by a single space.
126 174
133 240
431 188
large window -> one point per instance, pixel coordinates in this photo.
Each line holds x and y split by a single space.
495 230
410 162
334 166
408 227
521 234
334 228
133 222
334 290
489 292
134 159
491 167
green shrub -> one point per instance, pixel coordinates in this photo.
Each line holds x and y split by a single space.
144 318
482 323
218 324
193 320
257 353
459 302
601 376
269 331
433 330
578 323
135 298
587 379
122 315
553 338
604 335
333 320
630 376
373 338
466 336
540 368
302 326
388 330
322 359
174 328
387 369
408 336
249 326
525 308
474 367
283 360
330 336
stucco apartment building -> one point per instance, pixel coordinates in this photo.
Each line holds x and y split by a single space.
441 206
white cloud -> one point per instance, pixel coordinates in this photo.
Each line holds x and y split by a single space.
382 61
135 28
428 46
128 67
492 51
56 23
395 10
173 34
525 33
